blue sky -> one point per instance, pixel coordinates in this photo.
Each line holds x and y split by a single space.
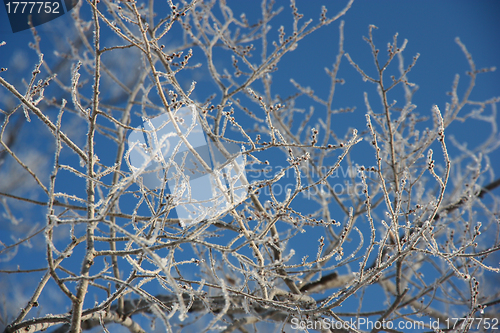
429 26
